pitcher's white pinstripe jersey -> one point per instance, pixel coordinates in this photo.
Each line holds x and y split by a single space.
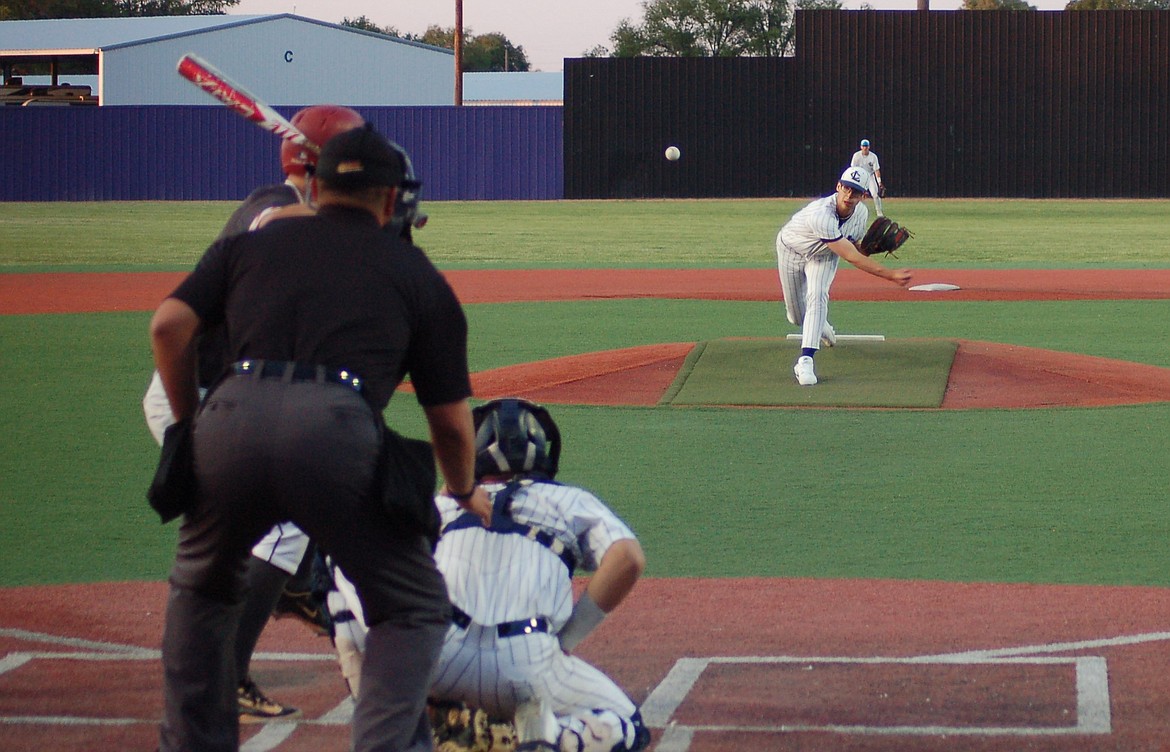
809 229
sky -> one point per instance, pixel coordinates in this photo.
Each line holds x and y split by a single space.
548 30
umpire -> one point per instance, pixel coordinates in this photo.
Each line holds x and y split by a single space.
326 315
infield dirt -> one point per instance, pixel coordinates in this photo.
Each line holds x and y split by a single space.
980 378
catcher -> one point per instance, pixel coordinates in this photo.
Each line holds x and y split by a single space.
808 249
508 653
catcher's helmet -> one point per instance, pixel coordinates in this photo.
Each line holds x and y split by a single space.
319 123
515 437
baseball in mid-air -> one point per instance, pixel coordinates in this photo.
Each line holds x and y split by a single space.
672 153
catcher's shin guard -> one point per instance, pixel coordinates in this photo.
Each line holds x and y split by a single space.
605 731
535 722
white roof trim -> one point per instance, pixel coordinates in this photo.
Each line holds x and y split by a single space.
98 34
63 51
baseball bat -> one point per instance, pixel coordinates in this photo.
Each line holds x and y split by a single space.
206 77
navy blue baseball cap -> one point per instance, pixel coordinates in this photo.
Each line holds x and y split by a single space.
856 178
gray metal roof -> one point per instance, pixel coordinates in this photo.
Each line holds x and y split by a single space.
101 33
61 34
538 86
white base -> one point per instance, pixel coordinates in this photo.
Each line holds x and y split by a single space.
850 337
934 287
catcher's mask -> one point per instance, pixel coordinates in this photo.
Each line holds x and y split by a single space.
406 213
362 158
515 437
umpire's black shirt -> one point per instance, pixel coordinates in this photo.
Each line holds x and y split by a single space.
335 290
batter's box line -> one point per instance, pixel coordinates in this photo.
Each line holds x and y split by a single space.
1092 690
94 650
1054 647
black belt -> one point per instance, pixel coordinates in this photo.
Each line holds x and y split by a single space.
289 371
507 629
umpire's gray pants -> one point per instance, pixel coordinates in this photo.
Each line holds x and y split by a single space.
268 451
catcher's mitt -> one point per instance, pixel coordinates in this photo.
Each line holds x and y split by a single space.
883 236
457 727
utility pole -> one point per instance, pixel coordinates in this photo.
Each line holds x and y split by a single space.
459 52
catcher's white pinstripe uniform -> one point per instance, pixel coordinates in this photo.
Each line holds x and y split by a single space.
496 578
807 266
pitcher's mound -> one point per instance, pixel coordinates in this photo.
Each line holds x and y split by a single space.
982 375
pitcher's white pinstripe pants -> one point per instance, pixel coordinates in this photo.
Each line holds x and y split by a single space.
805 282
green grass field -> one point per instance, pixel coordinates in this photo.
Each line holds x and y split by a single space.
977 233
1059 496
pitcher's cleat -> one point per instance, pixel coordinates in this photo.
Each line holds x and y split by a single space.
805 374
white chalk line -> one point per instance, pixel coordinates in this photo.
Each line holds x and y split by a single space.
1092 690
1056 647
74 642
268 738
1093 709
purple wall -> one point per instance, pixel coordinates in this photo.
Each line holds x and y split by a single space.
210 153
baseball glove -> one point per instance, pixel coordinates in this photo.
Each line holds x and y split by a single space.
456 727
883 236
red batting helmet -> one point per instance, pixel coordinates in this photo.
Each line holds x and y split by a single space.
319 123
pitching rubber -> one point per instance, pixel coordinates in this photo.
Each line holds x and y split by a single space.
850 337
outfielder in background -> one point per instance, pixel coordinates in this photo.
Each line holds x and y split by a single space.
864 157
279 555
509 651
808 249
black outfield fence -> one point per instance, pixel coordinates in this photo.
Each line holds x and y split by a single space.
956 103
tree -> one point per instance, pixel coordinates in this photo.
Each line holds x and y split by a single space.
694 28
1118 5
629 41
493 52
712 28
12 10
365 24
486 52
670 28
773 29
437 36
996 5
